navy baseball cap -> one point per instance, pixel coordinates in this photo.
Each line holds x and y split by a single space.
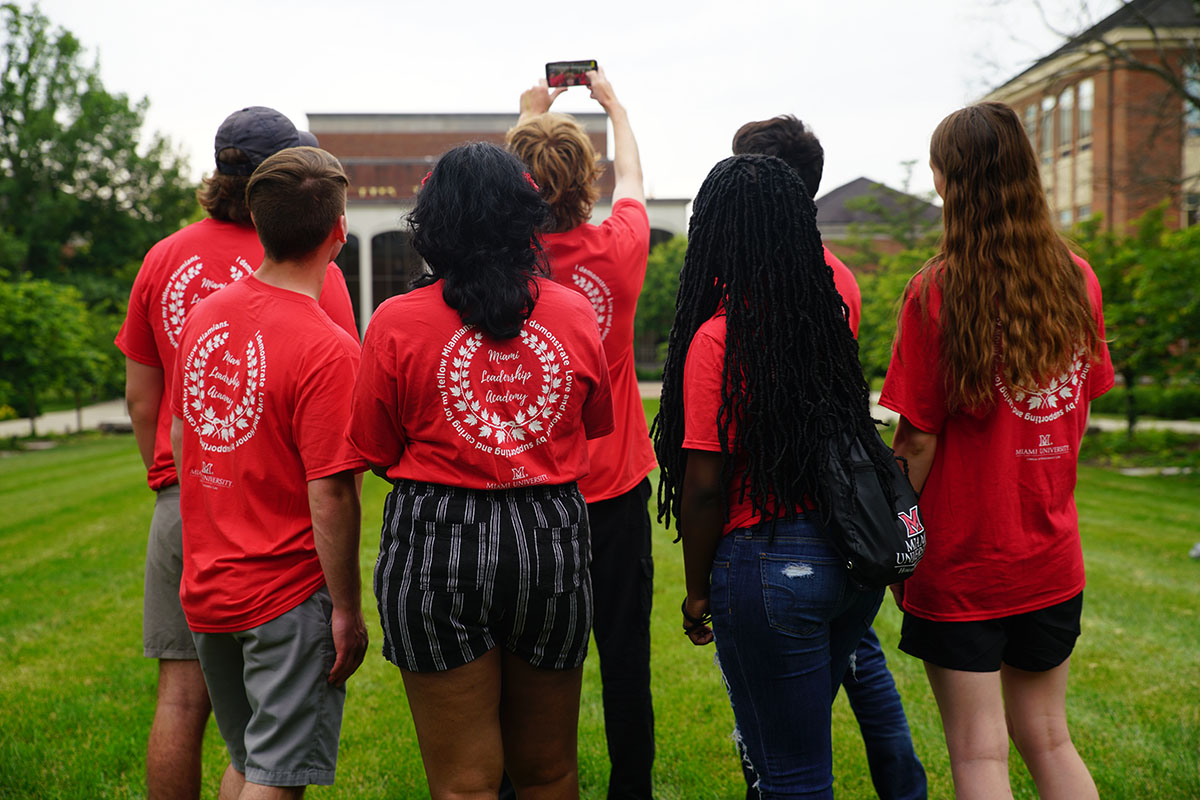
308 139
258 132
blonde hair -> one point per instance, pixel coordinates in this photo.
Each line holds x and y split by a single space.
563 163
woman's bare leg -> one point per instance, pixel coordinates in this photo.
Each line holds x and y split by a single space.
457 717
1036 707
972 709
539 716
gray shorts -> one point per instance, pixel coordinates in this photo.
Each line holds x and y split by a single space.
279 716
165 631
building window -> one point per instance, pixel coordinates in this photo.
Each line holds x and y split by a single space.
1087 102
1191 208
1191 112
1031 120
1084 212
1066 119
1047 126
1064 218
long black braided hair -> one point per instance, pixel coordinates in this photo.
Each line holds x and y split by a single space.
792 383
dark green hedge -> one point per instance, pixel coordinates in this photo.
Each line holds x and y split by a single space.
1167 402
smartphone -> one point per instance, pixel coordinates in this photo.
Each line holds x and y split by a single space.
568 73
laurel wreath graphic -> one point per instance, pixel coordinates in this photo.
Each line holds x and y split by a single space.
223 428
176 308
528 421
598 297
1062 387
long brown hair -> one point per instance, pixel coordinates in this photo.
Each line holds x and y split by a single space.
558 152
1005 274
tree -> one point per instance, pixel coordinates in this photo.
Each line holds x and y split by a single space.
909 220
882 290
45 342
656 303
80 198
1151 284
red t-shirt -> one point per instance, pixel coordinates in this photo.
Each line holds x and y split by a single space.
999 503
261 387
440 401
847 286
702 381
177 273
606 263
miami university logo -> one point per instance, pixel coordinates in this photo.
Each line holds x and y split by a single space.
912 521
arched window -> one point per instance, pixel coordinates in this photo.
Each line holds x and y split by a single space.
1047 126
1087 102
347 260
1066 117
394 265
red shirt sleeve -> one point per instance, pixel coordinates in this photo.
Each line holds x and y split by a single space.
629 227
1101 376
598 407
335 300
914 386
320 418
374 425
136 337
702 376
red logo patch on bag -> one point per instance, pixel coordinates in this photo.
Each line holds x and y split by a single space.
912 521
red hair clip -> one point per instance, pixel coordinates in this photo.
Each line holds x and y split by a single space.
427 176
529 178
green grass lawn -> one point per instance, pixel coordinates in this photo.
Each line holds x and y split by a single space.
76 697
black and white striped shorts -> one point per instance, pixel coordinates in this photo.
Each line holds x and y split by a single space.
461 571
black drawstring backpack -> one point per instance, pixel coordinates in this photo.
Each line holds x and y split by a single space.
881 541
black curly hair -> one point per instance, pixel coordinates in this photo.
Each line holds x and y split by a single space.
792 386
476 224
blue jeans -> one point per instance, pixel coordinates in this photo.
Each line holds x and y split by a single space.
786 618
896 771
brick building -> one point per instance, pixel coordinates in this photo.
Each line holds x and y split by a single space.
387 155
1107 114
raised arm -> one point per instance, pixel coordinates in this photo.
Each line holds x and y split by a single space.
537 99
627 164
336 518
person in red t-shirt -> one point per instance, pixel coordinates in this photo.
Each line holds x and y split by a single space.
177 273
999 350
268 490
476 397
606 263
762 377
896 771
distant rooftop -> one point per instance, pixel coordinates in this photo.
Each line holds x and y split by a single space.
1160 15
440 123
832 210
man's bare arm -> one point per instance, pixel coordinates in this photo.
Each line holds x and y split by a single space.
627 163
336 517
143 393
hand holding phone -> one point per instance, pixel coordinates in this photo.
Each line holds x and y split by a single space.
569 73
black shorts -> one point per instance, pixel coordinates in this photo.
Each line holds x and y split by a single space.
1036 641
461 571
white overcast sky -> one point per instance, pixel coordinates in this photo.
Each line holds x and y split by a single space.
872 77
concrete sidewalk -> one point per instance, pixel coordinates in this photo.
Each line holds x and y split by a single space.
652 389
112 414
99 415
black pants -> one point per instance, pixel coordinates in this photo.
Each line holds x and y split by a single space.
622 572
623 589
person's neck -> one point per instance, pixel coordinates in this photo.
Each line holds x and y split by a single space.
305 276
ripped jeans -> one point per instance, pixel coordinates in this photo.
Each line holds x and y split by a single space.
786 620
